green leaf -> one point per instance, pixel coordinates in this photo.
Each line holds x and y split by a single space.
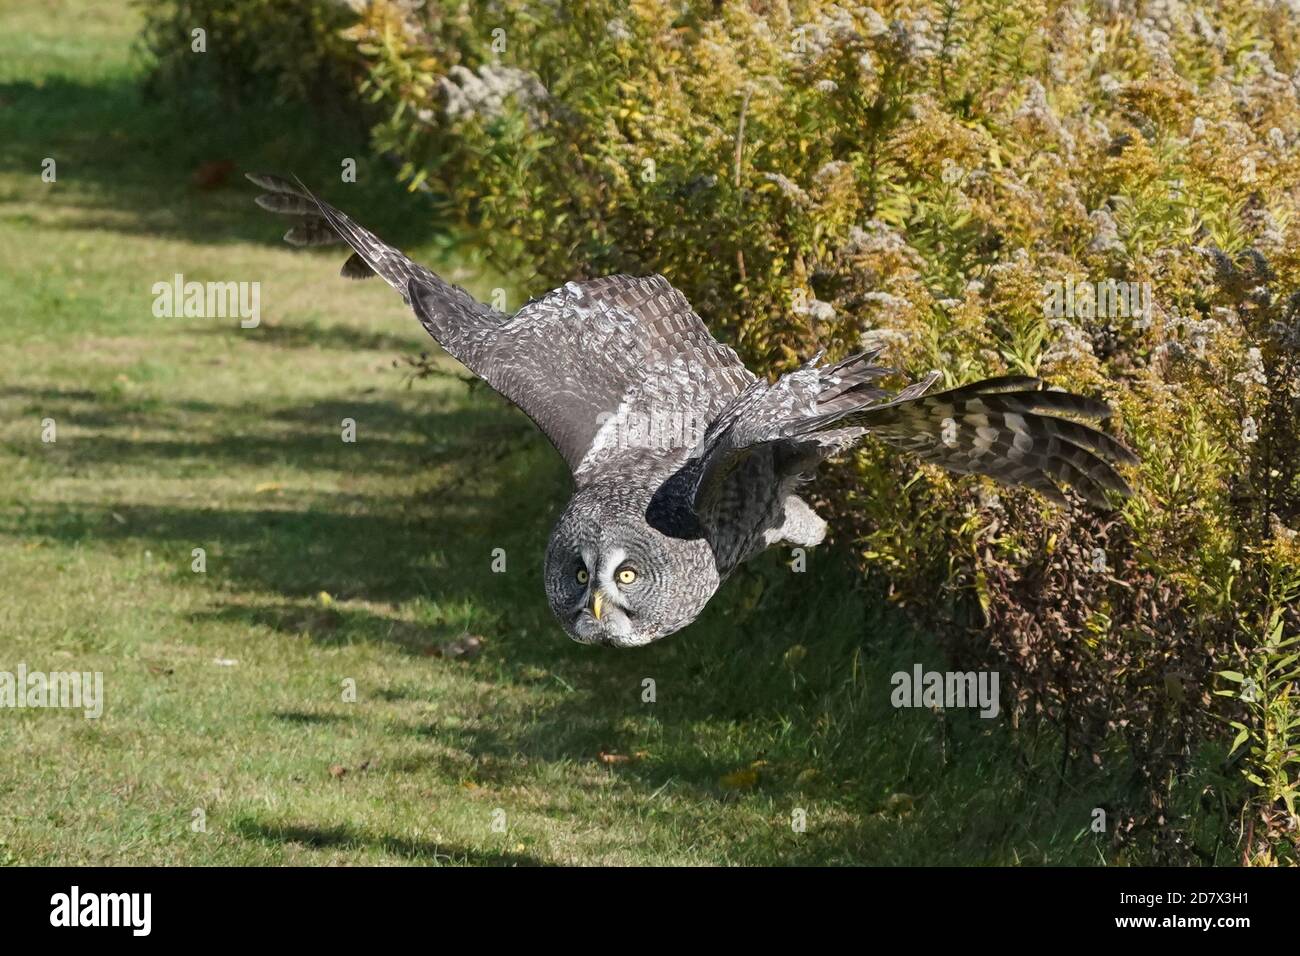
1242 736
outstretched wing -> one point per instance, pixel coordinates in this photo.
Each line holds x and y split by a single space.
641 376
591 362
759 442
1013 431
1007 428
458 322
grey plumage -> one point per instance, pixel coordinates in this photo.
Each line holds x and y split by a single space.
684 462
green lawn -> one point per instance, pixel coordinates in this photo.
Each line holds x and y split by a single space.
329 562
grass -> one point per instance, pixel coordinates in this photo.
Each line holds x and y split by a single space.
330 563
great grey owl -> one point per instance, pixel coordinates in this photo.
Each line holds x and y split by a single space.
684 462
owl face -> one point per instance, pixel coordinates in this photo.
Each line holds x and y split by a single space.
612 579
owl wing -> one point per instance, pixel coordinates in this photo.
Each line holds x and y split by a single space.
1011 429
592 363
1007 428
639 375
458 322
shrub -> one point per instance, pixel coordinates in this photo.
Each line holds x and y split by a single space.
292 52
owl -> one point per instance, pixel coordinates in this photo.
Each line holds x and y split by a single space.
686 464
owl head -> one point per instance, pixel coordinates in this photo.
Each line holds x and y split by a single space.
613 579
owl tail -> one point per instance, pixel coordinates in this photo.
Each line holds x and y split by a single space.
1011 430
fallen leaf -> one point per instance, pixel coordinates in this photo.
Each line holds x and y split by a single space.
739 779
268 486
609 758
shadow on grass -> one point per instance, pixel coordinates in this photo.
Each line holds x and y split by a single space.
306 718
314 335
391 437
332 626
128 163
348 838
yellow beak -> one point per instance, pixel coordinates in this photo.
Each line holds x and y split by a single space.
597 600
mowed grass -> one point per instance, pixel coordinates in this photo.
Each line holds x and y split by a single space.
331 565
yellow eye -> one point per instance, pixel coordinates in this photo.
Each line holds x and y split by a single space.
583 576
626 576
